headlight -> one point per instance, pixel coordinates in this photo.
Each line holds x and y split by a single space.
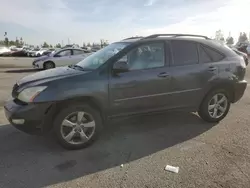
28 94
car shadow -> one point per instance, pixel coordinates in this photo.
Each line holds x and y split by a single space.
22 70
39 161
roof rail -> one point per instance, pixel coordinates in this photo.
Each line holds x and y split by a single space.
133 38
175 35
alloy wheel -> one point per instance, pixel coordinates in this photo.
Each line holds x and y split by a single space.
217 106
78 128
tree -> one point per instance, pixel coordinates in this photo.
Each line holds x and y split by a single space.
230 40
12 43
88 44
51 46
45 45
104 43
219 36
6 41
17 42
21 41
58 45
243 37
83 44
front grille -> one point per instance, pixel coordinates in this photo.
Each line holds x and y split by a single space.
14 91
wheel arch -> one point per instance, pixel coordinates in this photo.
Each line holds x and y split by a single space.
228 86
90 100
49 61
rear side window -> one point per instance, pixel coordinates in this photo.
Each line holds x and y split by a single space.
204 57
214 55
185 53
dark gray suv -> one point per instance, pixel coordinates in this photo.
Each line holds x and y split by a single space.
134 76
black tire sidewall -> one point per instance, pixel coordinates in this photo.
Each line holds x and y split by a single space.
203 111
48 62
73 108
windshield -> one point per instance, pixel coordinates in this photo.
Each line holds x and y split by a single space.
98 58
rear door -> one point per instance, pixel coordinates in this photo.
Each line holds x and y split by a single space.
192 69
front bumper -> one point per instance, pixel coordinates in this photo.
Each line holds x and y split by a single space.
239 89
36 66
37 117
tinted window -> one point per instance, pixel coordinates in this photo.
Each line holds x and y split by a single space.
78 52
214 55
204 57
146 57
185 53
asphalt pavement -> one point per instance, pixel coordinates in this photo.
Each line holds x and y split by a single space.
208 155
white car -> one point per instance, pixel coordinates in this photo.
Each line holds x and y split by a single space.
40 52
4 50
62 57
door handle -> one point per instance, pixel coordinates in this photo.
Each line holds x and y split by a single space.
163 75
212 68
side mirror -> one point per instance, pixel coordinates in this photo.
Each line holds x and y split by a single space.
120 66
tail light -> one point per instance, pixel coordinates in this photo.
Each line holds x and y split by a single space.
241 69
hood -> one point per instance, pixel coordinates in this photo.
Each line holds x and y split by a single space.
49 75
41 58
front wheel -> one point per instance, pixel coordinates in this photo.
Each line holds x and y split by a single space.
215 106
48 65
77 126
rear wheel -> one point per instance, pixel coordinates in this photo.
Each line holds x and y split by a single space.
77 126
48 65
215 106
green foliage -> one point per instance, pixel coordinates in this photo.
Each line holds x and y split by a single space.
243 37
230 40
58 45
45 45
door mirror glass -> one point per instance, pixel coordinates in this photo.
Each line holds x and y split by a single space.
121 66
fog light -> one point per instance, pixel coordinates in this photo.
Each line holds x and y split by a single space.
18 121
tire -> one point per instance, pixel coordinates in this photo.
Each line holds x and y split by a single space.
48 65
208 103
63 133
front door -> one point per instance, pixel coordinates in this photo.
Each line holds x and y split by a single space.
63 58
77 56
145 86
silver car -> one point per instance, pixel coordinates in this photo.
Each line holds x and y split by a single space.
62 57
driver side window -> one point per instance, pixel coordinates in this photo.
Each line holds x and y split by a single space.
145 57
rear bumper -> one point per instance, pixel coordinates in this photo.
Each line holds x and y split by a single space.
239 89
37 117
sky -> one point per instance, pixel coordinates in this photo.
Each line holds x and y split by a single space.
57 21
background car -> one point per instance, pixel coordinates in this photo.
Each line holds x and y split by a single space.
18 53
40 52
4 50
62 57
244 55
32 52
47 52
